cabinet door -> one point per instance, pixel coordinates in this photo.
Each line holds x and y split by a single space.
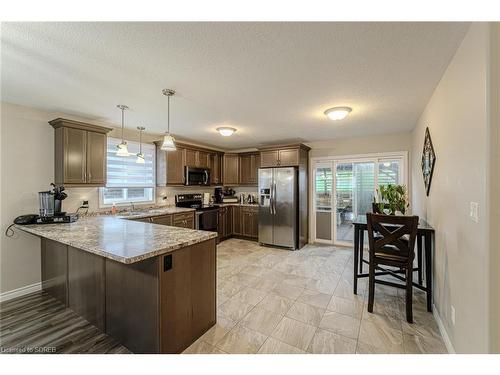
255 169
144 220
96 158
183 220
269 158
222 223
246 222
203 287
229 222
255 224
162 220
246 169
231 169
175 167
75 156
191 158
203 158
236 220
217 169
288 157
175 301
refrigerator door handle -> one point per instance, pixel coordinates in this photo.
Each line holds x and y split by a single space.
274 197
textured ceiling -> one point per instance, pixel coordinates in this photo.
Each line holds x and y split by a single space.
272 81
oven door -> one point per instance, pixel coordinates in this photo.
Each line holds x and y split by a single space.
207 220
197 176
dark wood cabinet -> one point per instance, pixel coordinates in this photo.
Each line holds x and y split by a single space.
249 169
80 153
225 222
191 158
237 221
215 166
282 156
269 158
184 220
231 169
249 221
187 295
162 220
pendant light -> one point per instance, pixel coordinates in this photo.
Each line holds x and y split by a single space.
122 149
140 155
168 140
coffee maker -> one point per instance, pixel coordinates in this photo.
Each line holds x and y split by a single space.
218 195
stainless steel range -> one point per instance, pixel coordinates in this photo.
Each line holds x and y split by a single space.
206 216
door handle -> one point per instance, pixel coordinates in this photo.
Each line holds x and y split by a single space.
274 199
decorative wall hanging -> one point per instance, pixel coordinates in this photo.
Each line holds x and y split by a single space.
428 161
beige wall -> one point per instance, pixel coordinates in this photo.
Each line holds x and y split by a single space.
361 145
495 190
458 122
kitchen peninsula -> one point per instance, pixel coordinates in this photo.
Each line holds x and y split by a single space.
150 286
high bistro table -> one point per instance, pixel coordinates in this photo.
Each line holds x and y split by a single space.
425 234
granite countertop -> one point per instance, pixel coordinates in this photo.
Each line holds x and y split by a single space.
140 214
238 204
125 241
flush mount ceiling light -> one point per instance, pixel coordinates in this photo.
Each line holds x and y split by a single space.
140 155
226 131
338 113
122 149
168 140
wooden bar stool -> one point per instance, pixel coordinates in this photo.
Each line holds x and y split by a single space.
392 243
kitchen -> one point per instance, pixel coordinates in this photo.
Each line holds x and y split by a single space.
209 208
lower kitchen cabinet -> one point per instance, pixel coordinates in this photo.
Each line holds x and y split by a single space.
225 222
184 220
249 222
239 221
162 220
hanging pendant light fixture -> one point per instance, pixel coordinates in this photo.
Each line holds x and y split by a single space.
122 149
168 140
140 155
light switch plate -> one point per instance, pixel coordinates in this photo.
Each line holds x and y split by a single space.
474 211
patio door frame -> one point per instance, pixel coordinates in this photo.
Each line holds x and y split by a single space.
342 159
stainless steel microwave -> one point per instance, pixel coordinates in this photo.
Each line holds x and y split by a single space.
197 176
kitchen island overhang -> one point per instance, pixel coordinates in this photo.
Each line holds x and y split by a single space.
152 287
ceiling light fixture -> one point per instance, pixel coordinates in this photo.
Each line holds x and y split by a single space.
140 155
226 131
338 113
122 149
168 140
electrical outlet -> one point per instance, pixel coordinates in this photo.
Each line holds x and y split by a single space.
474 211
452 310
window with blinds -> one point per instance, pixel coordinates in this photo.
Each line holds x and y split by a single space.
128 181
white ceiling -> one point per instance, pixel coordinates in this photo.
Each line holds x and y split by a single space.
272 81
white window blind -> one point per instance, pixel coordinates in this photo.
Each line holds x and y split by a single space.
124 172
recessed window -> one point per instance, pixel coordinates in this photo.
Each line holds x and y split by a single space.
128 181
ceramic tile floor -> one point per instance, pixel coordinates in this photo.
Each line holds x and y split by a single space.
280 301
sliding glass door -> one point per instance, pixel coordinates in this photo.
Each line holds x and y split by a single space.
344 189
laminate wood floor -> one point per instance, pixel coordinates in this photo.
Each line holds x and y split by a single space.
38 323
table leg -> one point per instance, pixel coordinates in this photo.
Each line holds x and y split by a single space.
361 249
428 269
419 258
356 255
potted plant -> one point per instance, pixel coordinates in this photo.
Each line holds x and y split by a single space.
391 198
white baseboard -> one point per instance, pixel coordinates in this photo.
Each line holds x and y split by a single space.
5 296
442 329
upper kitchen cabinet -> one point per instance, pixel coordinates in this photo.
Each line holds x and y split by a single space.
249 168
231 169
283 156
197 158
215 166
170 166
80 153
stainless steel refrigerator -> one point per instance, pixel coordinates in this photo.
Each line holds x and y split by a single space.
278 207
